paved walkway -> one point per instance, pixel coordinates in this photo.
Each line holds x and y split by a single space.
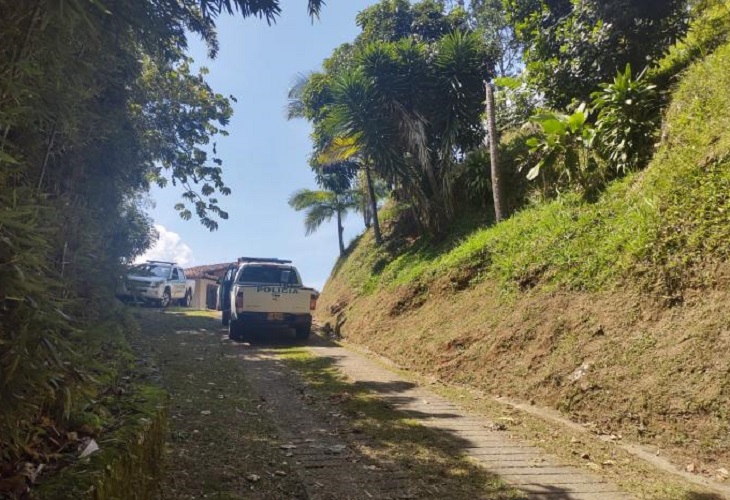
526 467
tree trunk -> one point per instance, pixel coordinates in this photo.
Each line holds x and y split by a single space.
367 216
373 205
493 140
340 230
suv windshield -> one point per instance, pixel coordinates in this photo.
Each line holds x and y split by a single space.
150 270
268 274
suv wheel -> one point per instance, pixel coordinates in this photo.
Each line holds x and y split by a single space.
188 300
166 298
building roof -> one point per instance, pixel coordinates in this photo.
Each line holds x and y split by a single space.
211 271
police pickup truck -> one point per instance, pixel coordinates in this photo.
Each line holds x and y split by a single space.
260 292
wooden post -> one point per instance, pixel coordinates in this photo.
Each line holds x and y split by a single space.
493 141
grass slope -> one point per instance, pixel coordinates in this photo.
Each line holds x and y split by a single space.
656 223
632 288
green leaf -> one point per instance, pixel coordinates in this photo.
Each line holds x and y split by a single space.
554 126
508 82
6 158
576 121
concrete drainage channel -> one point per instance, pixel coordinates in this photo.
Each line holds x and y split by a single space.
525 467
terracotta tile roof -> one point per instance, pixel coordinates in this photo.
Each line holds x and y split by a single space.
212 271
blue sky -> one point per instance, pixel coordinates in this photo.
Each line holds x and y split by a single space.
265 156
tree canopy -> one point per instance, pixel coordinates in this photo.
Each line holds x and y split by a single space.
570 46
405 97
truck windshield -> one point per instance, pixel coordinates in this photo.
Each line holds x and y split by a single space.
268 274
150 270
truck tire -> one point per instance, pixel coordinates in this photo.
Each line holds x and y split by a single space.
303 332
187 301
235 331
166 298
225 317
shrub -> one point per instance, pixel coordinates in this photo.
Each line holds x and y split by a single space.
565 148
627 119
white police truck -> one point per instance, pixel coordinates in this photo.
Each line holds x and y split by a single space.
157 282
261 293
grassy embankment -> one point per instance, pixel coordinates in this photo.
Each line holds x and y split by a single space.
632 288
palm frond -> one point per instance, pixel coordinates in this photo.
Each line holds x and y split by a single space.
296 107
316 215
264 9
306 198
314 7
339 149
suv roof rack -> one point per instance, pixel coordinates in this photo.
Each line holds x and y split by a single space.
161 262
262 259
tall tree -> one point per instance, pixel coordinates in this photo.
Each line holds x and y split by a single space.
490 20
340 152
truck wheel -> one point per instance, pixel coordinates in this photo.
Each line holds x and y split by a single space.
235 331
303 332
188 300
166 298
225 317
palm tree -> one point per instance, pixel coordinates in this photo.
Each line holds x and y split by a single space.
321 206
404 111
409 113
341 150
334 152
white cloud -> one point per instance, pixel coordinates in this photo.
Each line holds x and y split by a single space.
169 247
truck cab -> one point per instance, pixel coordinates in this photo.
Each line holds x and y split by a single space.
157 282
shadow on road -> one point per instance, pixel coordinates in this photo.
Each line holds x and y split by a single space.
388 453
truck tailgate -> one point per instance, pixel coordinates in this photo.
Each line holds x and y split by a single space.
275 299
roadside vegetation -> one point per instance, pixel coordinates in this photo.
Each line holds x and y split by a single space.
98 102
601 295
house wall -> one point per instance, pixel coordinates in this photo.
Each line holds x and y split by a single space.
200 296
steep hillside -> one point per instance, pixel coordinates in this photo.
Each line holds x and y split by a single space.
614 312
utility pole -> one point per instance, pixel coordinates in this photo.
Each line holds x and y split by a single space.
493 141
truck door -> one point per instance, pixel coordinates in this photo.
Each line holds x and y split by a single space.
177 285
224 289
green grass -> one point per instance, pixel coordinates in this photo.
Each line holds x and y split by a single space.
656 226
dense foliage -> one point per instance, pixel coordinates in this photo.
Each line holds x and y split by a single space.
405 100
570 46
97 100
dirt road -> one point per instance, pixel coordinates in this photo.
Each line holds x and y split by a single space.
273 419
